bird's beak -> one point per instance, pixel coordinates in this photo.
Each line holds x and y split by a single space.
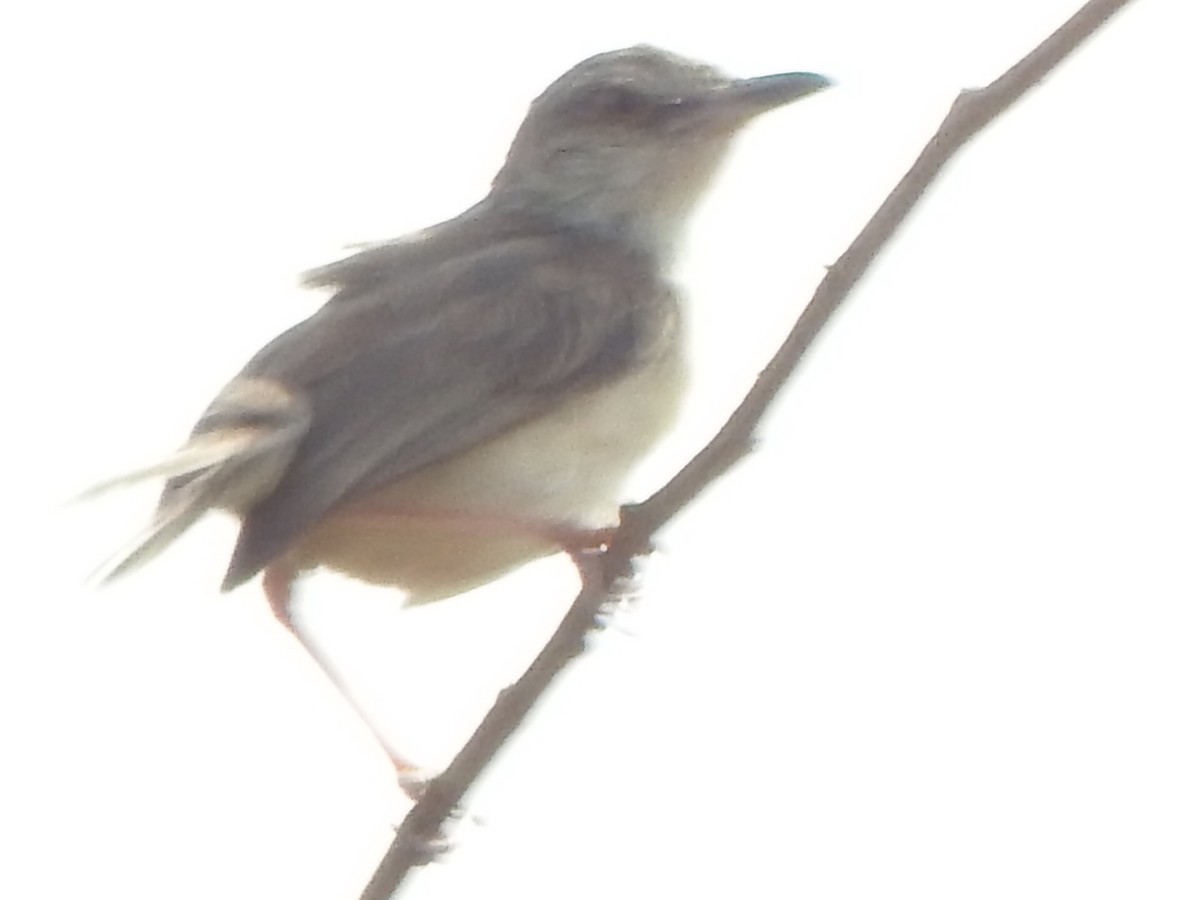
745 98
756 95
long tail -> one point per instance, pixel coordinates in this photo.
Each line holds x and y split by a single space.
196 464
200 453
242 446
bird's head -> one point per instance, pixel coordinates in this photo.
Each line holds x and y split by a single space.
626 141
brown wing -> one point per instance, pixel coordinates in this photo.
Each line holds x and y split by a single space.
404 370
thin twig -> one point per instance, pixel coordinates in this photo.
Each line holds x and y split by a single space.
602 572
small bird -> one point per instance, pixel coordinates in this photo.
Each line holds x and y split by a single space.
472 395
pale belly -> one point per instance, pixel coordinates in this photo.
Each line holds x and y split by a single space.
463 522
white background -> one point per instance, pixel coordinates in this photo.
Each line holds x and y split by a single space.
937 638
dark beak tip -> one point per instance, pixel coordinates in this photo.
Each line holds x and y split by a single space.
776 90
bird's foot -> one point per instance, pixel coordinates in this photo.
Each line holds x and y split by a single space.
413 781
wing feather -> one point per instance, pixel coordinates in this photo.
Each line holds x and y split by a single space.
405 370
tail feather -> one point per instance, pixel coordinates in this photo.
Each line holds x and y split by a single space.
244 443
168 524
200 453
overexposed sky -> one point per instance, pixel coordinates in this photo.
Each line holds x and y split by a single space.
936 638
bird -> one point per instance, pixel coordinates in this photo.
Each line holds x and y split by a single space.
471 396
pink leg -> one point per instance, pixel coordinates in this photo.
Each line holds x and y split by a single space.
277 585
569 538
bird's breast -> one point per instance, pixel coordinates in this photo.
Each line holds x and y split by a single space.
464 521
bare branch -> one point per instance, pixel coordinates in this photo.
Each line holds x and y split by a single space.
603 572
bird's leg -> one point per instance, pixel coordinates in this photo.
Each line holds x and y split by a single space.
277 585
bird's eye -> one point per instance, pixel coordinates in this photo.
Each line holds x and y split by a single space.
621 104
